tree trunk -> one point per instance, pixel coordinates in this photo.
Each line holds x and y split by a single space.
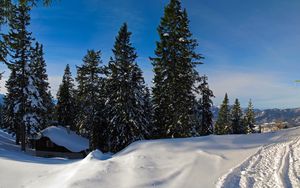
23 138
18 136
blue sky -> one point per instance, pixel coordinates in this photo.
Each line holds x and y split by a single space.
251 47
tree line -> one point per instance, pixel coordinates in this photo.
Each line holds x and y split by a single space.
232 120
112 106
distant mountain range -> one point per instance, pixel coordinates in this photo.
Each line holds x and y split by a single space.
292 116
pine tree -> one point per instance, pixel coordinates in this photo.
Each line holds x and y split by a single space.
90 97
250 118
5 11
66 104
236 119
1 117
206 103
11 45
33 103
125 87
175 74
3 50
148 108
27 98
1 110
38 67
6 7
223 124
10 119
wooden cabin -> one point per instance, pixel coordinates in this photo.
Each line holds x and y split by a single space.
58 141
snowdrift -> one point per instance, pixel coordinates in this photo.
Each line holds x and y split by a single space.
170 163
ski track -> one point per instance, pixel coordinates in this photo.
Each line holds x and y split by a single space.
273 166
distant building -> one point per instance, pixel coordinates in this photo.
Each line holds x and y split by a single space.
273 126
60 142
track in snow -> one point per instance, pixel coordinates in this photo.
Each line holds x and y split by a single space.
273 166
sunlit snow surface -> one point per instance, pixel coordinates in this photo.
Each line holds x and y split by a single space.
222 161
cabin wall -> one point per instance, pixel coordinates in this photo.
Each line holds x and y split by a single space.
44 147
45 144
59 154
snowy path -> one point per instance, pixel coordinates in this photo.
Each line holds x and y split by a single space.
275 166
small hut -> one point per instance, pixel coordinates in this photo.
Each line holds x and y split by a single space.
58 141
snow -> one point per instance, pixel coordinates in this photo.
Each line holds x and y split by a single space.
282 170
181 39
60 136
97 155
258 160
33 96
30 120
17 108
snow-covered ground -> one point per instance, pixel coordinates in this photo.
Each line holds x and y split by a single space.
259 160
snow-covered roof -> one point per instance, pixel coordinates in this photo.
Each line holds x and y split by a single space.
60 136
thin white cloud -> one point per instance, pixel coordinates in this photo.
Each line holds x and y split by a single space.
267 90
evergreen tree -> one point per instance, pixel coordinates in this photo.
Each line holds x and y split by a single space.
250 118
1 110
5 11
3 50
33 103
10 119
148 108
27 99
175 74
66 104
6 8
91 100
125 88
223 124
236 119
1 117
38 67
206 103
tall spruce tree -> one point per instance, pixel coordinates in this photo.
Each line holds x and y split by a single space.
236 119
5 11
10 119
175 74
3 49
91 100
223 123
1 109
27 98
33 104
38 67
250 118
206 103
1 117
148 108
6 7
10 44
125 87
66 104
